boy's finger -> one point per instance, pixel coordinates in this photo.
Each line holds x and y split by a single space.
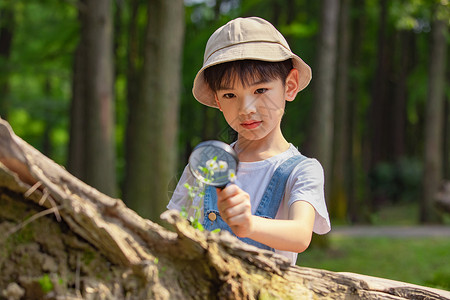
235 210
228 191
230 202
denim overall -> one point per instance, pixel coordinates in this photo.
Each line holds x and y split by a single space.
268 207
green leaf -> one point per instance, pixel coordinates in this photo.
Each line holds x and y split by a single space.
45 283
200 226
184 213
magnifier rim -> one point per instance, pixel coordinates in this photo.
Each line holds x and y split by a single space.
221 145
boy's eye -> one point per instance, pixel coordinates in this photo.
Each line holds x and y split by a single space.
228 95
261 91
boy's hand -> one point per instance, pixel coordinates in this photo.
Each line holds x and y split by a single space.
235 209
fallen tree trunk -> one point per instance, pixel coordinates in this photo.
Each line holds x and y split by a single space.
65 240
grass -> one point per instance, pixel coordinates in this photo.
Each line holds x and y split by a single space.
422 261
399 214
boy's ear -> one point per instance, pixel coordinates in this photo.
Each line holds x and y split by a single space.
217 102
291 85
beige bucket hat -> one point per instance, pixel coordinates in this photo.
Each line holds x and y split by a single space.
246 38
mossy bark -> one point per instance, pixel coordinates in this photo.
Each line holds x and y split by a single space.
65 240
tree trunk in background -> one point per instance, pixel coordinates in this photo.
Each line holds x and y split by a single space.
380 108
135 117
217 9
134 55
434 117
6 36
341 141
357 154
377 118
133 69
95 74
210 117
321 127
291 11
153 116
209 123
76 155
100 147
446 155
401 94
47 147
276 11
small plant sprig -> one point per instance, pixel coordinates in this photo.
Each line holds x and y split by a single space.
198 189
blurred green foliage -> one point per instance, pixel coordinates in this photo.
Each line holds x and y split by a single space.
399 181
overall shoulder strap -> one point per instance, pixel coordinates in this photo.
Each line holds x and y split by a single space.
274 192
210 199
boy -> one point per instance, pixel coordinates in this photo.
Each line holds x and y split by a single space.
249 72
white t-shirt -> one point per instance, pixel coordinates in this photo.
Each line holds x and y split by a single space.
306 183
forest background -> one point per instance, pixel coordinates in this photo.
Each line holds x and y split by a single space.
104 88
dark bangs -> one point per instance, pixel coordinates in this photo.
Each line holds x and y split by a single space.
246 71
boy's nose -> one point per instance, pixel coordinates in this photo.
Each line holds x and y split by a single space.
248 105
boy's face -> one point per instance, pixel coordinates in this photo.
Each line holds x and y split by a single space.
255 110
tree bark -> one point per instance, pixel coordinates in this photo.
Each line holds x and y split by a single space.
153 116
210 128
93 106
380 110
65 239
133 73
357 205
404 39
6 35
99 153
321 128
341 142
77 116
447 137
434 117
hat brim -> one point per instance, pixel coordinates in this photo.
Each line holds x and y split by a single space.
263 51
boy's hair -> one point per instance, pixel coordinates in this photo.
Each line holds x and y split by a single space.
246 71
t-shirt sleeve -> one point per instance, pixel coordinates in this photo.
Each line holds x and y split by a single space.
306 183
180 197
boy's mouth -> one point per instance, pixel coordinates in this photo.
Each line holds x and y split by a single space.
251 124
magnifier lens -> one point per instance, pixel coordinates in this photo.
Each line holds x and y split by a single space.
213 163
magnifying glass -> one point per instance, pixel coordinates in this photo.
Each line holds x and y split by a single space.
214 163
